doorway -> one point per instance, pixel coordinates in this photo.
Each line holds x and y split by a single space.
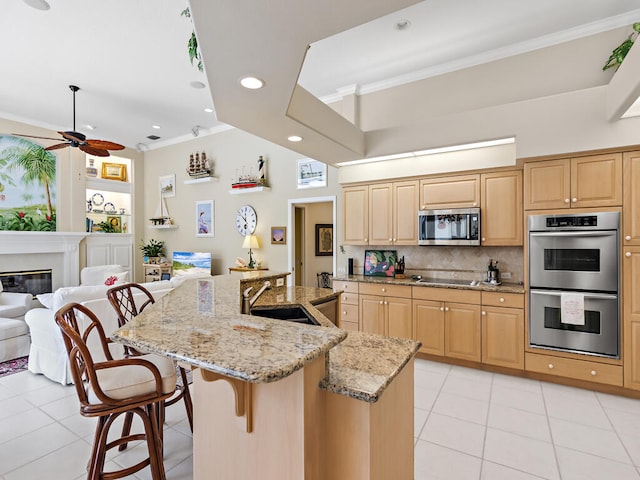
303 216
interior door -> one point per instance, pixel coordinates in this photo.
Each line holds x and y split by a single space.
299 242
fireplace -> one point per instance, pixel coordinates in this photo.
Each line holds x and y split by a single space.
34 282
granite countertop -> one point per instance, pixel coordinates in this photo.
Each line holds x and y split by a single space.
199 323
505 287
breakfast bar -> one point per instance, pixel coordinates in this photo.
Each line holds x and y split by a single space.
275 399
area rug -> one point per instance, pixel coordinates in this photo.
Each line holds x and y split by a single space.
13 366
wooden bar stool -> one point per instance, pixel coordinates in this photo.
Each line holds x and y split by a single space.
107 388
125 299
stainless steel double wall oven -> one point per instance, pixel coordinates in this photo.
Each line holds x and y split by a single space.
575 254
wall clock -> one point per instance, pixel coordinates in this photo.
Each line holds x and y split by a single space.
246 220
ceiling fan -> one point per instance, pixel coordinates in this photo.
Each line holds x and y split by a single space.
98 148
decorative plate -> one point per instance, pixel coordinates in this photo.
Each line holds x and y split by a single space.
109 208
97 199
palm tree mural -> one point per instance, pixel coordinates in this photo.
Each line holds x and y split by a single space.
32 165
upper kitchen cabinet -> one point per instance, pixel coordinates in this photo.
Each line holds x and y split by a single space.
591 181
461 191
631 209
501 213
381 214
355 215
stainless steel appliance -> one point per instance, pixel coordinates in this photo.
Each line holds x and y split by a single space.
575 257
458 226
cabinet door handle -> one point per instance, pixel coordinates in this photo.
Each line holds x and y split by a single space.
475 204
484 313
344 312
566 200
446 309
627 238
442 309
366 239
483 239
550 366
628 254
501 299
593 373
574 199
384 289
386 303
381 302
394 239
390 239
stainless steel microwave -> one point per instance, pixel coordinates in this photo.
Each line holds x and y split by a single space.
456 226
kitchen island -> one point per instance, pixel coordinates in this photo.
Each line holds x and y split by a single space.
275 399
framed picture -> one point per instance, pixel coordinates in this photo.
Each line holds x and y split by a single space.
324 239
168 185
279 235
380 263
204 218
114 221
114 171
311 173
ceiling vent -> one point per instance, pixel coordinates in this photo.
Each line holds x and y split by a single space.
153 137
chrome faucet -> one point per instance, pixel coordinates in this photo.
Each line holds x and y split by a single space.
247 302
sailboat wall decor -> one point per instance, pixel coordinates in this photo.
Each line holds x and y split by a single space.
161 217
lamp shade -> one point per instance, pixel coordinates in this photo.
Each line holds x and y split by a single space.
251 241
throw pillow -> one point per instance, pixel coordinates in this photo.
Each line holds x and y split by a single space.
46 299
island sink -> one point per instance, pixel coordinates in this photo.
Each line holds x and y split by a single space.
290 314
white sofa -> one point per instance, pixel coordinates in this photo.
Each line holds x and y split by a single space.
14 333
48 355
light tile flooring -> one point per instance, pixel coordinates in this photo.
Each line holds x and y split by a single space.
469 425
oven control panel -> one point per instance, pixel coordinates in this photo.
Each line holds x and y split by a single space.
573 221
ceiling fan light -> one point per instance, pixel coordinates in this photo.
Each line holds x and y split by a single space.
38 4
252 83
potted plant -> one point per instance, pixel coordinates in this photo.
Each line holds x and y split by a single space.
152 251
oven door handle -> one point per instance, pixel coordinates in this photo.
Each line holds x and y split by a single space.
602 296
573 234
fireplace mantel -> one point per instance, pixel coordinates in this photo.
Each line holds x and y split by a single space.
65 243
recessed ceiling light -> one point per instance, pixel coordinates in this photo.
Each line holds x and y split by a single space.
196 84
402 24
38 4
208 110
90 127
252 83
294 138
157 127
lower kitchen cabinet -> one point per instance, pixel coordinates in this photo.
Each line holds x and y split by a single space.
631 316
348 316
503 337
428 326
574 369
385 309
503 329
462 331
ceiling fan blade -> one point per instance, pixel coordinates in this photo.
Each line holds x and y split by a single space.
96 152
34 136
57 146
104 144
73 136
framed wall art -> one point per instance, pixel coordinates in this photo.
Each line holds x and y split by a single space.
116 223
324 239
311 173
168 185
279 235
204 218
114 171
380 263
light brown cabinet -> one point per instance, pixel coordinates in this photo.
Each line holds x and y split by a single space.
501 208
355 215
462 191
590 181
391 210
631 188
574 369
631 316
447 322
503 329
385 310
348 314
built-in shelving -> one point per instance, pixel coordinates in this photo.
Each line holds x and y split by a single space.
201 180
108 185
163 227
240 191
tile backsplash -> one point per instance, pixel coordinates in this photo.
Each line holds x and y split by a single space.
460 263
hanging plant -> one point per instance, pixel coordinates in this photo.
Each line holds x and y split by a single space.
619 53
192 44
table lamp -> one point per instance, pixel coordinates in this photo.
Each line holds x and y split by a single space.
251 241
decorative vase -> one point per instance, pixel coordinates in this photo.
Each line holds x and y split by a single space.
145 259
91 170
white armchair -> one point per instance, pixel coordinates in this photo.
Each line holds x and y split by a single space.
14 333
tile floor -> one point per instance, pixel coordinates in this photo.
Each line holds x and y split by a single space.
469 425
